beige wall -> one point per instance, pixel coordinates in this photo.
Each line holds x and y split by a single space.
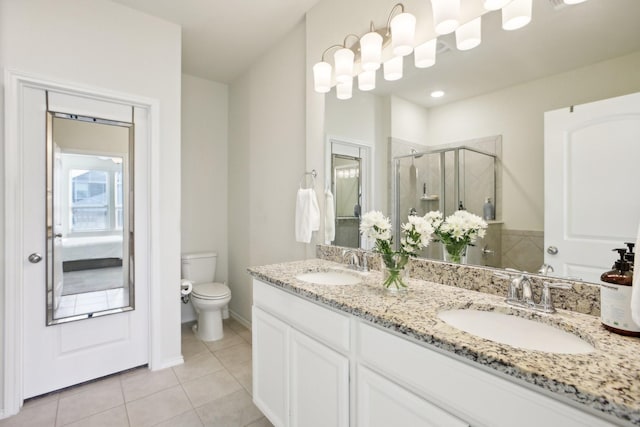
204 173
266 162
108 46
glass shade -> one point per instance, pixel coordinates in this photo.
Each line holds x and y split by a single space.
446 15
516 14
367 80
343 59
393 68
370 51
469 35
425 54
322 77
573 1
495 4
344 89
403 28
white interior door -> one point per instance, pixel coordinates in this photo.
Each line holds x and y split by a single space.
592 197
61 355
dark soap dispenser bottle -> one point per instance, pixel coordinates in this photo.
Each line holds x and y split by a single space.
615 298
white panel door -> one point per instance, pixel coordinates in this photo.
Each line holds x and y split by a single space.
70 353
270 364
319 384
592 197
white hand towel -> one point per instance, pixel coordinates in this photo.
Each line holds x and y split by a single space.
329 218
307 214
635 290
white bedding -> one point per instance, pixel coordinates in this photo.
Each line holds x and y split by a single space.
92 247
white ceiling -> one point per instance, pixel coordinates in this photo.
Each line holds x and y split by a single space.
221 39
557 40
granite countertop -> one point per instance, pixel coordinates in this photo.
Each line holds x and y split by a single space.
607 380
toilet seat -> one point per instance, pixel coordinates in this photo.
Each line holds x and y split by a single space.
211 291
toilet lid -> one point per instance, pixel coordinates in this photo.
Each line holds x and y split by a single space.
211 290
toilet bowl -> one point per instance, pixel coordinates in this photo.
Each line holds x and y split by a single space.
210 299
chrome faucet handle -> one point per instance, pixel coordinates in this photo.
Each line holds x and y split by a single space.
365 261
545 269
546 302
352 261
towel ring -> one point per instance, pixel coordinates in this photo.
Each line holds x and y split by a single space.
313 174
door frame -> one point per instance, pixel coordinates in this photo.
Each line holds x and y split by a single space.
13 330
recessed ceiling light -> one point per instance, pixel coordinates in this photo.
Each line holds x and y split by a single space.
437 94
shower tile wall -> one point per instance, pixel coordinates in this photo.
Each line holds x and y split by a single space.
522 249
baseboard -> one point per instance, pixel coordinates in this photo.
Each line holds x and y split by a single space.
244 322
169 363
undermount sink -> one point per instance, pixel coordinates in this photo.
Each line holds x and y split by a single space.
515 331
330 277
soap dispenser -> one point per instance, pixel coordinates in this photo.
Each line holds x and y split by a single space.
615 298
488 210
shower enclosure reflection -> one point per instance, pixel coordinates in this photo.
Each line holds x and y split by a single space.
447 179
89 261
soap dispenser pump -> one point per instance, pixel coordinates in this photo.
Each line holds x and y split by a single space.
630 255
615 298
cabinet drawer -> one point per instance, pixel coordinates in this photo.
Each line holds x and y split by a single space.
482 398
323 324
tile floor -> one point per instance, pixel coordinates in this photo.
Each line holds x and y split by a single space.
212 388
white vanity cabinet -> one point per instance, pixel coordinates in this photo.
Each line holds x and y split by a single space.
305 355
300 377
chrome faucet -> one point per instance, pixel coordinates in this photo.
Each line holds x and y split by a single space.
351 258
519 292
356 259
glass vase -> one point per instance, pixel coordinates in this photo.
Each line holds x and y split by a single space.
394 272
455 253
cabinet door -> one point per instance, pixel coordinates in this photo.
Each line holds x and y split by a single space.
382 403
319 384
270 361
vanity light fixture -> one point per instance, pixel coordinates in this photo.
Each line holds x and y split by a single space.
437 94
403 28
367 50
573 1
363 58
516 14
425 55
367 80
446 15
469 35
343 59
344 90
393 68
371 50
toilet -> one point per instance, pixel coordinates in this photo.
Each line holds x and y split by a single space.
210 299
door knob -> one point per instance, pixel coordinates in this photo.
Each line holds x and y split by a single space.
552 250
35 258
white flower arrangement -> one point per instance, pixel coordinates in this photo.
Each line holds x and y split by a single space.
417 234
457 231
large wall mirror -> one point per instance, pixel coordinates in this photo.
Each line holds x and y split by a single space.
89 217
498 92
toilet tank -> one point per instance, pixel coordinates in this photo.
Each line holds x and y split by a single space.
199 267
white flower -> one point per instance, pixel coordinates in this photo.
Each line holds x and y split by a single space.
374 225
461 226
417 233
